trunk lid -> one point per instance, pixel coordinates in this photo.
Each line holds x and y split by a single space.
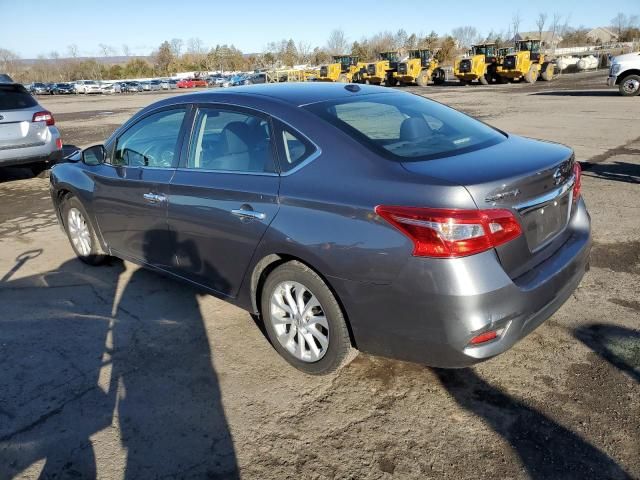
532 178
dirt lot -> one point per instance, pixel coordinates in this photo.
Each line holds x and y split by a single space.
121 373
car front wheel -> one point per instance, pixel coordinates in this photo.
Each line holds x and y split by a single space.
81 233
304 321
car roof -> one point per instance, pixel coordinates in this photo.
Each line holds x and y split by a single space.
295 93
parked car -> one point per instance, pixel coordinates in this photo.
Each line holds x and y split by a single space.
133 86
164 84
87 86
343 215
62 89
185 83
625 74
28 135
173 84
38 88
255 79
110 88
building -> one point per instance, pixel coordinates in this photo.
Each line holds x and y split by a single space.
602 35
548 39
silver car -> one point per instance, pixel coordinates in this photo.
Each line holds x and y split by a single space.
28 135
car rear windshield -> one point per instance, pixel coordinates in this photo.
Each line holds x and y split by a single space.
407 127
15 97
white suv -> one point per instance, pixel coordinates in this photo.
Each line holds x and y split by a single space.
28 135
625 73
87 86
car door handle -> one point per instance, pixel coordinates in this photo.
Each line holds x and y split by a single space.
248 214
154 198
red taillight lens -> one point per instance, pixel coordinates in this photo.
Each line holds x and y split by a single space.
59 143
44 117
447 233
577 172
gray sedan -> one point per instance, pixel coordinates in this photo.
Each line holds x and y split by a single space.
346 217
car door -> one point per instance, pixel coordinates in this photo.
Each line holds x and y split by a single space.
223 196
130 196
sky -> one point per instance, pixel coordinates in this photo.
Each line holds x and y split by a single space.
33 27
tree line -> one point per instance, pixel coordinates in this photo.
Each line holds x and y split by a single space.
176 55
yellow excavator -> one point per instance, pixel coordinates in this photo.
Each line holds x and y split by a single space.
527 62
344 69
480 64
421 68
384 70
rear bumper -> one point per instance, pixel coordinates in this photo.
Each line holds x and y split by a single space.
435 306
46 152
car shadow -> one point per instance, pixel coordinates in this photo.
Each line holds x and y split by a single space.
617 345
579 93
617 171
98 350
545 448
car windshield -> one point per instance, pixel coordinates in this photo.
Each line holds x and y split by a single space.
15 97
407 127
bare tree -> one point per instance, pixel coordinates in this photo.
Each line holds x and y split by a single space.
515 22
465 36
8 62
196 46
304 52
555 26
126 51
106 50
176 46
337 43
73 50
540 23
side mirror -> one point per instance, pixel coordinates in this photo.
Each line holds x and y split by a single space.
95 155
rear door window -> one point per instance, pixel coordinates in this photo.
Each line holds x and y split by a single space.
230 140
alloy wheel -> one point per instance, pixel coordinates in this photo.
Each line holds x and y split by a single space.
631 86
299 321
79 231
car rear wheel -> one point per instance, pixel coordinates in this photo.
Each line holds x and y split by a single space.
630 86
304 321
80 232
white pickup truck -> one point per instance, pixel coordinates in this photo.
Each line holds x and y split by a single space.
625 73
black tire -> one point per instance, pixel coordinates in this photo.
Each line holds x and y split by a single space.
339 351
626 86
96 256
423 78
547 72
439 76
532 75
39 169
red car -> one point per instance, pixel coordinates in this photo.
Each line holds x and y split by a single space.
191 83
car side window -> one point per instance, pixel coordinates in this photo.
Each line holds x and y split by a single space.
151 142
230 141
296 149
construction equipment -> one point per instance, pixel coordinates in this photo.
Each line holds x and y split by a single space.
384 70
527 62
421 67
345 69
480 64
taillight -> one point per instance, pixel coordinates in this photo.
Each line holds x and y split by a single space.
577 185
44 117
448 233
58 143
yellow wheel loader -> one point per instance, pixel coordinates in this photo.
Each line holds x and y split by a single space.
527 62
384 71
480 64
345 69
421 68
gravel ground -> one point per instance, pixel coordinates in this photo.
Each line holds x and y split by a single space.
118 372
